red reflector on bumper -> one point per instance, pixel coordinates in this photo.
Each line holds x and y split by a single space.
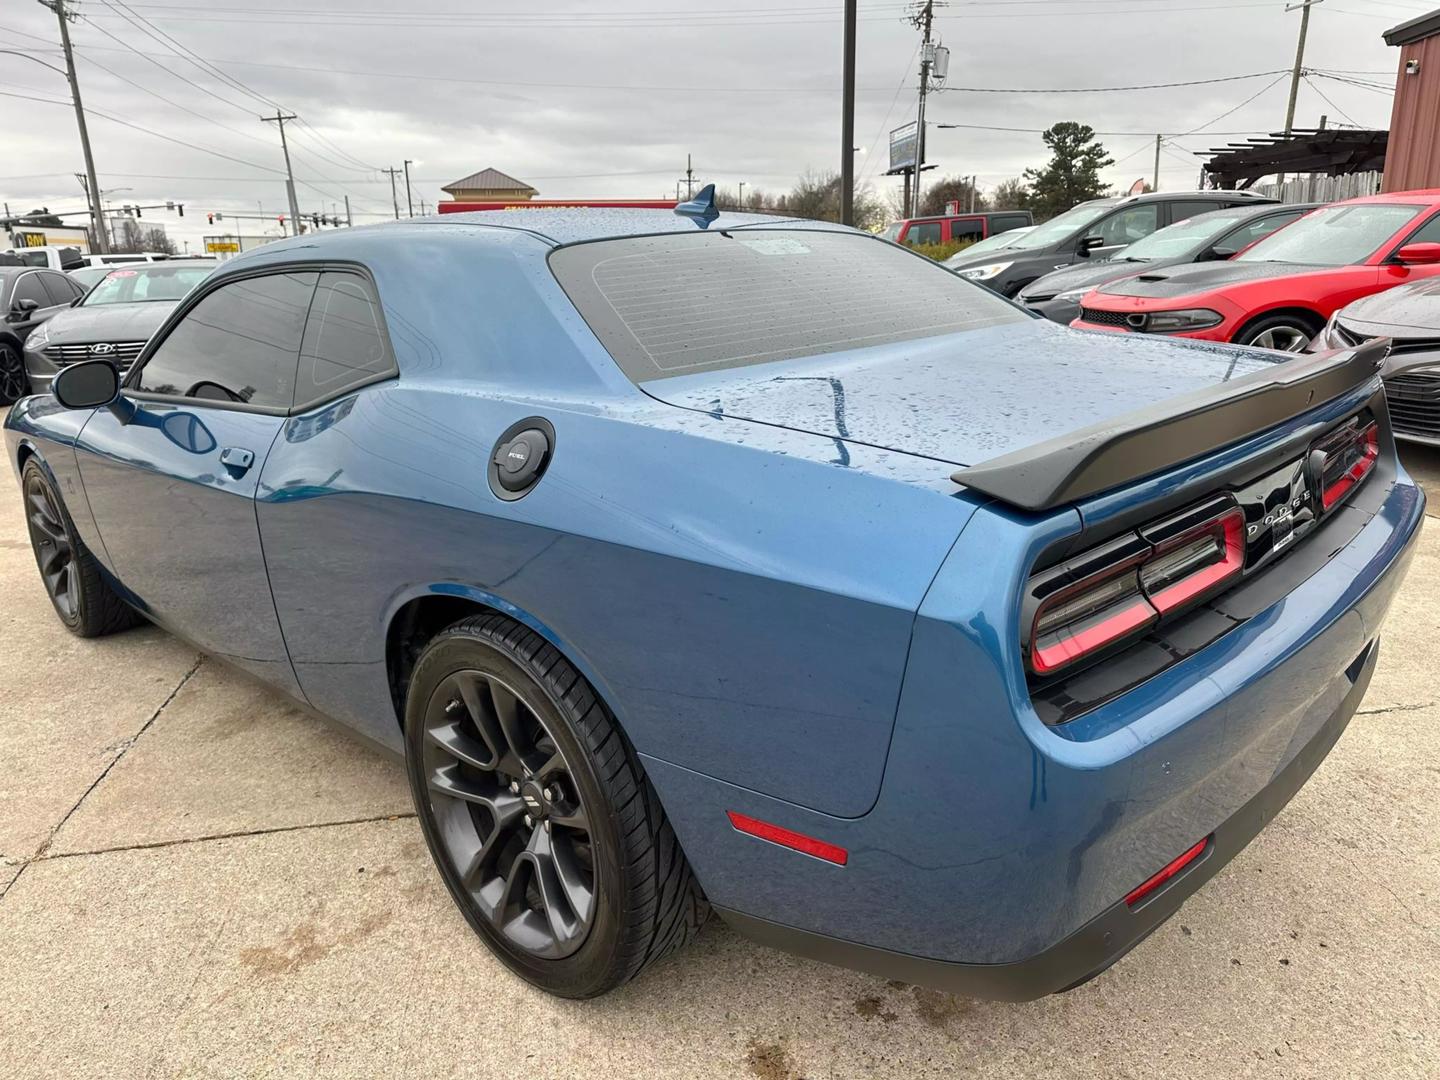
1134 896
787 838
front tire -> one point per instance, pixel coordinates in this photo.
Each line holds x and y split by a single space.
73 580
538 815
1283 333
13 383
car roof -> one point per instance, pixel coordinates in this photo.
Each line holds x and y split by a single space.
160 265
567 225
1419 195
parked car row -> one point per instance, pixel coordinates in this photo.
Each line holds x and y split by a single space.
54 319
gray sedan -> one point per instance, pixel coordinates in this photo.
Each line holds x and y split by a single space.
114 320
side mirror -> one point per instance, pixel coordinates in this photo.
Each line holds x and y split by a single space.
1221 253
86 385
1089 244
1418 255
21 308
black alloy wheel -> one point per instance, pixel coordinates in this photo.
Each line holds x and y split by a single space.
537 813
510 814
54 548
74 581
13 383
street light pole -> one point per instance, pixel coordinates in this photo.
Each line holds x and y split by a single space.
93 185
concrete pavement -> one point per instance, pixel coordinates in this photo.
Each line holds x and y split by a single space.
197 880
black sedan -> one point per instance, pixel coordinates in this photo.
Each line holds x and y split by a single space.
1218 234
29 297
1410 316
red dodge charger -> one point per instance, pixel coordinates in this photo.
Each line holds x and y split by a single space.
1279 292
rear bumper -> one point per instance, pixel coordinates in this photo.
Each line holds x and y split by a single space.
1105 939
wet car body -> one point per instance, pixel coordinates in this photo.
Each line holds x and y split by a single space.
802 581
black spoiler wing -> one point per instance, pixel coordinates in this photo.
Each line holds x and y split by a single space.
1139 444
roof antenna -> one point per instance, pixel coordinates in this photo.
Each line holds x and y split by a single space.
702 207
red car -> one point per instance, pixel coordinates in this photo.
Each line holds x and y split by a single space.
1279 292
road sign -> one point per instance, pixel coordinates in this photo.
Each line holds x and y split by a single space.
217 246
904 146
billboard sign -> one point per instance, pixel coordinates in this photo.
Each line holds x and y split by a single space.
904 147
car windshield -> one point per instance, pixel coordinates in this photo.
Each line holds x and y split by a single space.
684 303
1180 238
892 231
135 284
1334 235
1058 228
87 276
990 243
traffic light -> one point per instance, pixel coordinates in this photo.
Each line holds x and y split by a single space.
180 209
315 220
210 219
137 212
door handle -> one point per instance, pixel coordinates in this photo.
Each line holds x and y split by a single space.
237 460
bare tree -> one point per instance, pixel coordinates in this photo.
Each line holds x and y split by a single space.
1010 194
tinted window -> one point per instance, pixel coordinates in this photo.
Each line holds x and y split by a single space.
970 229
923 232
1247 234
240 343
1188 208
1429 233
1180 238
344 344
29 287
60 288
34 258
1335 235
685 303
1128 225
1001 222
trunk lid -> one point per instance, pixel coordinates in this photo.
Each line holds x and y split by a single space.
969 397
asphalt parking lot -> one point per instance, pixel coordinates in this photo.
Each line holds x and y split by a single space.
197 880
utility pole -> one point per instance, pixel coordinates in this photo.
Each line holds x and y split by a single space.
847 121
394 198
1304 7
280 118
347 211
923 19
974 195
92 188
742 197
409 207
689 179
1155 184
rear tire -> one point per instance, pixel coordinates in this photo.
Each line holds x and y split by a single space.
1289 332
78 590
538 815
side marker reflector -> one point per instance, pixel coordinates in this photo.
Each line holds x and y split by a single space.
1140 892
808 845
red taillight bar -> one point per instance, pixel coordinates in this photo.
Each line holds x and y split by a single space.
1072 647
1135 895
776 834
1232 561
1338 489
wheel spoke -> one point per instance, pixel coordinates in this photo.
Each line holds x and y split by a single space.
449 782
475 691
460 746
560 913
571 818
506 710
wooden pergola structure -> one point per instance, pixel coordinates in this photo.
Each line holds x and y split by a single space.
1324 151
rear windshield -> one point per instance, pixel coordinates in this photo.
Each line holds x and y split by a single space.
1335 235
146 281
691 302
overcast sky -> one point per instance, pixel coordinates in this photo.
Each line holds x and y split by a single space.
607 97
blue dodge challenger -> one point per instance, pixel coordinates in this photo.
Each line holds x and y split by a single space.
708 561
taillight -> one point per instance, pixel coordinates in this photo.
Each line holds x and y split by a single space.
1119 589
1341 460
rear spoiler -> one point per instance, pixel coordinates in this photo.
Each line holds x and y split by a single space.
1139 444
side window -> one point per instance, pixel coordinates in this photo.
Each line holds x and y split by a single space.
1251 231
923 232
1005 222
240 343
1429 233
1128 225
967 230
29 287
1180 209
344 343
60 288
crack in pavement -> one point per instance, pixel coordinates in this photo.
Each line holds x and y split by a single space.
182 840
124 748
1396 708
